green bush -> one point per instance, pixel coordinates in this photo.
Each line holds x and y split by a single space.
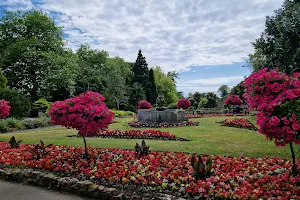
172 106
30 123
13 124
41 105
3 80
130 107
43 121
122 113
3 126
20 105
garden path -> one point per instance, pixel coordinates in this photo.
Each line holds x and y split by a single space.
16 191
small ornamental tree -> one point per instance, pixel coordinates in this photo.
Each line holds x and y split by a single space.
4 108
86 112
183 103
233 100
144 104
276 97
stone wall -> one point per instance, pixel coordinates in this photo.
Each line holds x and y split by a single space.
166 116
74 186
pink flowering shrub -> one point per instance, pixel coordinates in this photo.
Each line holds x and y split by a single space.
4 108
183 103
144 104
87 113
275 96
233 100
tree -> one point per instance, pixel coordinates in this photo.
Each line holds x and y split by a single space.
141 72
202 103
26 41
87 113
116 81
165 86
3 80
276 97
59 82
238 90
233 100
279 44
92 69
144 104
223 91
173 75
137 93
153 91
211 100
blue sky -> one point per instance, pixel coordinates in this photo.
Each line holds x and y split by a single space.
207 41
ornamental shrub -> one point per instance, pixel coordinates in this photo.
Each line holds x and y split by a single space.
40 105
86 112
172 106
144 104
276 97
20 104
233 100
183 103
4 108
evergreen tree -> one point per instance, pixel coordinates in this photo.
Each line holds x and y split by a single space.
141 73
152 91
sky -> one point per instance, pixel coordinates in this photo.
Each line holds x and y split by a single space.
206 41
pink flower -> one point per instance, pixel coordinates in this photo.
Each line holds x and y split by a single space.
274 121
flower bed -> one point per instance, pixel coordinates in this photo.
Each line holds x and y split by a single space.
136 124
239 123
190 116
234 178
139 134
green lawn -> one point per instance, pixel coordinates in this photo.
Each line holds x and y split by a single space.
208 138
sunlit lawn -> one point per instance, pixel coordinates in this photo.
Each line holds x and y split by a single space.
208 138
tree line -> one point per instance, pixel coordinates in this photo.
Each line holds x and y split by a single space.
35 61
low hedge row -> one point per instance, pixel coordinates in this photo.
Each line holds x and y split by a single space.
12 124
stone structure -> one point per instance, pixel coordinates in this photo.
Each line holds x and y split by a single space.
165 116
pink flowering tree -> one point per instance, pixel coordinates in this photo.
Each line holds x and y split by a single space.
233 100
4 108
86 112
183 103
276 97
144 104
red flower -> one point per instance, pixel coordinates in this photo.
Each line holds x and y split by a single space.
4 108
144 104
87 113
183 103
233 100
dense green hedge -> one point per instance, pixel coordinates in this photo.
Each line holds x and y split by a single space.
12 124
122 113
20 104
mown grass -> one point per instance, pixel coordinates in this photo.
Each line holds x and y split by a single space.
208 138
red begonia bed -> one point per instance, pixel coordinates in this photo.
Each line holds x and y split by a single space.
234 178
239 123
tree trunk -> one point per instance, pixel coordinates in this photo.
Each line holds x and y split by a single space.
294 166
86 154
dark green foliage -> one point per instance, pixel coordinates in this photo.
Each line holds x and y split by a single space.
20 105
3 80
26 42
172 106
39 150
41 105
137 93
224 91
211 100
160 101
141 149
286 108
279 44
14 144
130 107
201 170
153 90
238 90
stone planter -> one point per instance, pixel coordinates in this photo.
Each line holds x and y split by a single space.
165 116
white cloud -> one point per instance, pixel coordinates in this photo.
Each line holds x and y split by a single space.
171 34
208 84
